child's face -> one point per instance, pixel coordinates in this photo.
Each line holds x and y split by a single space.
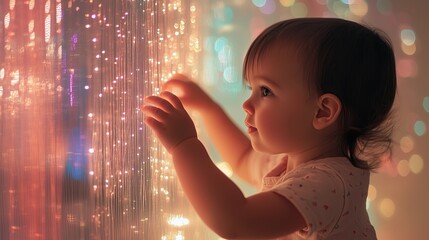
280 109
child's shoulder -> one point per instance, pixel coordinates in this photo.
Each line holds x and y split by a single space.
332 163
339 168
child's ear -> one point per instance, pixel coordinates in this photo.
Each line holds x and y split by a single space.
328 111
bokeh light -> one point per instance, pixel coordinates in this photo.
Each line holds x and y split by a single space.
426 104
7 20
220 43
387 207
406 68
420 128
11 4
406 144
408 39
408 36
178 221
358 7
287 3
408 49
259 3
416 163
403 168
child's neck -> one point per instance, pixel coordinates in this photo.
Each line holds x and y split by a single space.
311 154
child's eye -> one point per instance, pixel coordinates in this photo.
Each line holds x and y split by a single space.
265 91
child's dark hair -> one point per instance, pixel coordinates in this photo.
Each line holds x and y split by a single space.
353 62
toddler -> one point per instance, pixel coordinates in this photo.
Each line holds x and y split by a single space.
318 121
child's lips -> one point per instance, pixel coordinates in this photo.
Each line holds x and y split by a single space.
250 128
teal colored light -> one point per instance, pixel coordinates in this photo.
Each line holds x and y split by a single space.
228 14
223 16
420 128
426 104
259 3
224 55
408 36
220 43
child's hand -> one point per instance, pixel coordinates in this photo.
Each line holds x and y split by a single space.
166 116
191 95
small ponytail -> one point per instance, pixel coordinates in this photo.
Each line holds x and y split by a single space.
367 147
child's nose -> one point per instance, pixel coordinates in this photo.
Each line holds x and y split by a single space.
248 107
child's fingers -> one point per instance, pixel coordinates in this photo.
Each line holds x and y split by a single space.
180 77
176 82
153 124
173 99
159 102
154 112
171 84
176 86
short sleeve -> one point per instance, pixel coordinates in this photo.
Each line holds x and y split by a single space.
318 194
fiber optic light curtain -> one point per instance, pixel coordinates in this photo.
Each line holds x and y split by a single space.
76 160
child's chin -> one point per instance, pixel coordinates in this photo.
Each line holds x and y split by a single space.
258 147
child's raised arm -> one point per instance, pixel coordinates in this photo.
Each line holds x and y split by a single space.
232 144
218 201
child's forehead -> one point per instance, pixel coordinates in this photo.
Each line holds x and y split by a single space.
282 47
286 62
275 55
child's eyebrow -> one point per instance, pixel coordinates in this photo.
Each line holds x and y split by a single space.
267 80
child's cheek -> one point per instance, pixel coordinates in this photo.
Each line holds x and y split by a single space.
279 131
